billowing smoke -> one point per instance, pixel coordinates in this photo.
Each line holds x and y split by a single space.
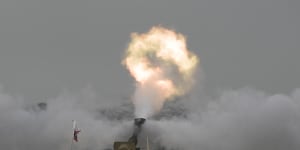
28 125
162 66
242 119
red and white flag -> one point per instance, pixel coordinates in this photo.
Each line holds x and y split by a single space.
76 131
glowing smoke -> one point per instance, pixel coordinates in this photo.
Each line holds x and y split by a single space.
162 66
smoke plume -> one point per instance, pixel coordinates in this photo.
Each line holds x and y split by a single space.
243 119
162 66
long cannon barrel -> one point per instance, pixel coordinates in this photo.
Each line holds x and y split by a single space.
138 122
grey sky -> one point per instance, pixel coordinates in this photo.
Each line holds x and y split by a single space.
47 46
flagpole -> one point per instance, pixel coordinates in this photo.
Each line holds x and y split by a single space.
148 147
74 126
72 144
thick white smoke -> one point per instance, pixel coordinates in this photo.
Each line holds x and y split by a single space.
242 119
25 126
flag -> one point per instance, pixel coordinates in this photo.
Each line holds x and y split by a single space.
76 131
75 137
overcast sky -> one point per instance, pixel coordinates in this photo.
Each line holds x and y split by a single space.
50 45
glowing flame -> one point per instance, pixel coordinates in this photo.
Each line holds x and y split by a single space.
160 59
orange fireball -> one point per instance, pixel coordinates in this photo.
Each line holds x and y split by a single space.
160 59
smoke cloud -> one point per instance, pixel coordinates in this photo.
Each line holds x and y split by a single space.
24 125
241 119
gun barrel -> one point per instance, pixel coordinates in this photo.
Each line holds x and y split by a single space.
138 122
